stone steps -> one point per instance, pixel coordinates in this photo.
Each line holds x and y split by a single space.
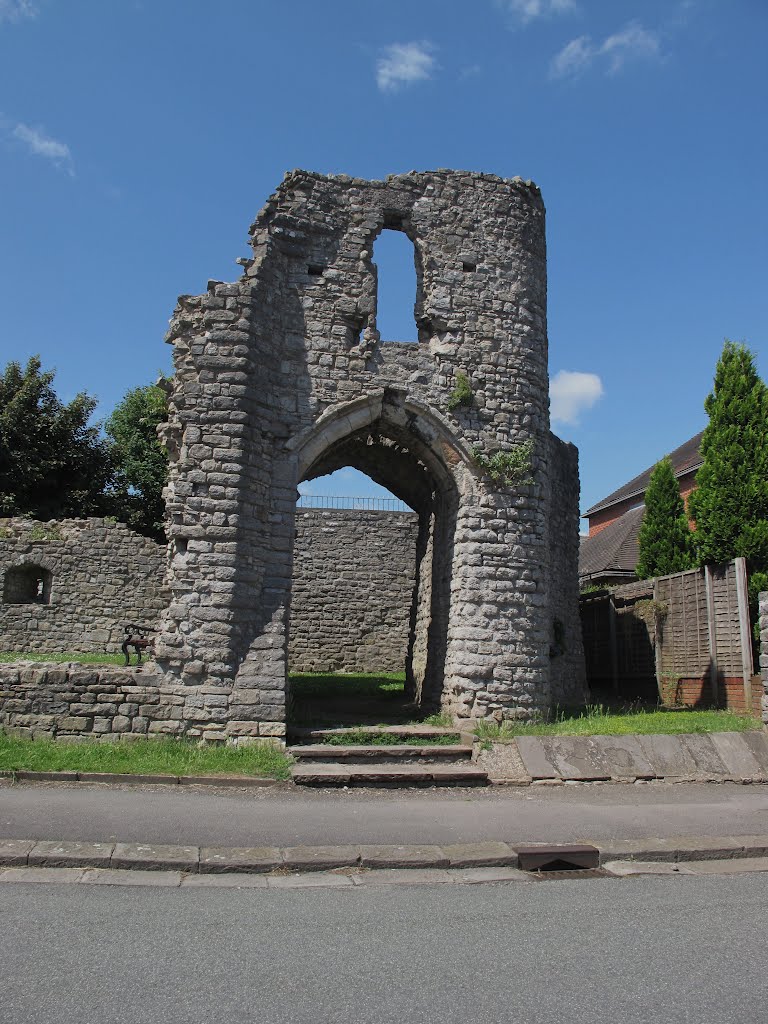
389 775
401 732
400 753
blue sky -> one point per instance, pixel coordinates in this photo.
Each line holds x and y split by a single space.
138 139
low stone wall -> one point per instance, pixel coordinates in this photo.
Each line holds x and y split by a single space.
93 577
104 703
353 581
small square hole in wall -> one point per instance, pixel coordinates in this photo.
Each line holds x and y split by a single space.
469 268
181 545
314 270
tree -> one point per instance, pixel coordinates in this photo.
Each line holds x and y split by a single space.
52 463
665 540
730 503
140 460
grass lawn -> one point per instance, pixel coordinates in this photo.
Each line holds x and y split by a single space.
60 658
144 757
601 721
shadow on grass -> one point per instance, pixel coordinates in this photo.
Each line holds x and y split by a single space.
329 700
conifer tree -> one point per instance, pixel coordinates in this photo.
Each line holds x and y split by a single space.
664 540
730 503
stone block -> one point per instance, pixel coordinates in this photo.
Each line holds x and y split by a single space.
320 858
736 754
403 857
70 855
240 859
155 857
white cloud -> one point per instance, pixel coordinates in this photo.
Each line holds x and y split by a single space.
527 11
40 144
573 58
633 42
571 393
403 64
16 10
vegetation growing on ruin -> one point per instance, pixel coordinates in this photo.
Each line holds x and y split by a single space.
511 468
462 393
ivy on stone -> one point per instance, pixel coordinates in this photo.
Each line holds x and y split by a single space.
665 541
461 394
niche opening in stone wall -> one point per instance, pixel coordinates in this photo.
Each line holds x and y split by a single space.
397 285
27 584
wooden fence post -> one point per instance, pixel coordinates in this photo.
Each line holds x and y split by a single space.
712 633
742 597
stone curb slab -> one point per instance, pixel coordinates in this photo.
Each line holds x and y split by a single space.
476 855
15 852
117 778
242 859
320 858
403 857
71 855
138 856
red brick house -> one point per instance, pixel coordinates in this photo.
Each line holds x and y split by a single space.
609 553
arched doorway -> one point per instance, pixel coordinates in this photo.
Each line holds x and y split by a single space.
403 448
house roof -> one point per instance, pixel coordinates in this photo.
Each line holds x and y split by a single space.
684 460
612 550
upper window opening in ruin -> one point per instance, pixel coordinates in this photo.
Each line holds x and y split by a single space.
27 584
395 260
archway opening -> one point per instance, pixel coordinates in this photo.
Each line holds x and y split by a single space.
371 587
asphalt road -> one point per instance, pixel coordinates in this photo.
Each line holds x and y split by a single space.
285 817
672 949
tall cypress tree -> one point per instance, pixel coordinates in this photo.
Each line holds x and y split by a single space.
664 540
730 504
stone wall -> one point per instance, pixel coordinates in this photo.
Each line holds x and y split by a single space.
97 576
568 674
352 589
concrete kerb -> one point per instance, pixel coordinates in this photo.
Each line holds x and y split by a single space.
271 860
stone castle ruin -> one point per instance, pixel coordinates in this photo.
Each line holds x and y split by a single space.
283 376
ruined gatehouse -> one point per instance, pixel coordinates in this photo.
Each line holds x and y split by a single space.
283 376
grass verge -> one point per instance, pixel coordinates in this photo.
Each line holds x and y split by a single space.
58 658
144 757
601 721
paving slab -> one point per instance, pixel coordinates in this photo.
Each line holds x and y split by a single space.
116 876
667 756
314 880
634 849
155 858
758 744
705 847
405 876
645 867
576 758
704 753
224 881
741 866
737 756
471 876
242 859
475 855
403 857
70 855
48 875
536 758
623 757
753 846
320 858
14 852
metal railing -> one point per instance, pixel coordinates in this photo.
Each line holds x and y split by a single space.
363 504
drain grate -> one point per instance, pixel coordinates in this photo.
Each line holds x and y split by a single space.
558 857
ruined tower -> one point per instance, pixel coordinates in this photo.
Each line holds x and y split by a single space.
283 376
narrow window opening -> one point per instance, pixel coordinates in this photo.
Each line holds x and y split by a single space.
469 268
397 284
315 270
181 545
27 584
